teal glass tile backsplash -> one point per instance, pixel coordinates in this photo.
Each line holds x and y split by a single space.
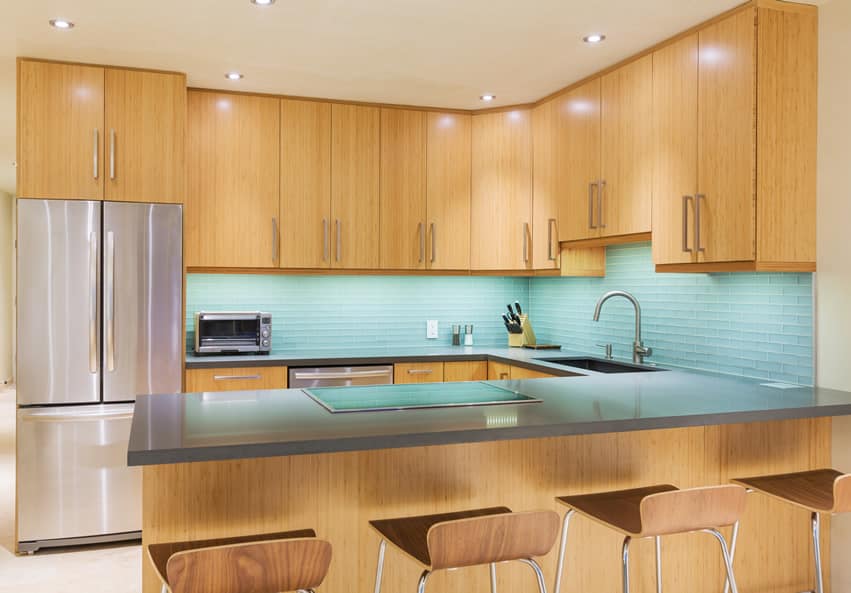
755 325
319 312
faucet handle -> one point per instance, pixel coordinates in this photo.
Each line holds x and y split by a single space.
643 350
608 348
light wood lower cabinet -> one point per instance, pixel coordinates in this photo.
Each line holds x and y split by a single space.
235 379
524 373
500 371
418 372
474 370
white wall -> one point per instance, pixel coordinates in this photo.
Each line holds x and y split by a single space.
833 282
7 320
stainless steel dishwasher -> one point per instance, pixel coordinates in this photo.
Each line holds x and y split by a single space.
341 376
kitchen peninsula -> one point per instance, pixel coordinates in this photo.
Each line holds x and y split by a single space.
248 462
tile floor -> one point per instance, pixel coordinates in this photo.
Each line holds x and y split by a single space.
109 569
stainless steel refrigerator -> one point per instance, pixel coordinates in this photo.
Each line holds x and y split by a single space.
99 320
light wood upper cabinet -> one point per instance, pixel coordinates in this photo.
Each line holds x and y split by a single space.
545 165
578 145
232 174
60 131
355 158
403 189
305 184
144 136
448 170
627 162
502 191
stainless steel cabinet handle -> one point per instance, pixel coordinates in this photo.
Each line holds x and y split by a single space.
697 199
591 187
112 154
93 303
109 293
420 371
235 377
600 194
421 236
433 244
342 375
275 240
95 164
324 239
526 242
339 240
686 200
550 251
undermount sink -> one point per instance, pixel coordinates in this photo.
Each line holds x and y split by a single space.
600 365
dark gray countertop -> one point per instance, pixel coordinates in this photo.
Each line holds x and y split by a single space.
235 425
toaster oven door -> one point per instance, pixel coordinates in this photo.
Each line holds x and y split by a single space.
222 333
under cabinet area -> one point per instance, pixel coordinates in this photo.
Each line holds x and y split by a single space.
235 379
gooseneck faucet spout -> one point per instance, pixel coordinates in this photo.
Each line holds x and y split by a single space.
639 351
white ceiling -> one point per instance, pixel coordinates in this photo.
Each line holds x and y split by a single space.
442 53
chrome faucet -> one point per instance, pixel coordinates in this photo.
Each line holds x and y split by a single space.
639 350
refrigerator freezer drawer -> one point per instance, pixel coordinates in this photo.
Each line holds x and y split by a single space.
73 479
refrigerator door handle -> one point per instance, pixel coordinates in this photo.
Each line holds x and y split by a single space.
82 415
93 302
109 293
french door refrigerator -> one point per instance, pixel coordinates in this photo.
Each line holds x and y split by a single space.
99 320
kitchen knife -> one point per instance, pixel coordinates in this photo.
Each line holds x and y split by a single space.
507 321
517 307
510 311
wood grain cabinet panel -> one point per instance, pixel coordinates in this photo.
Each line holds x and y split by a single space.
502 191
474 370
60 136
232 174
145 135
524 373
448 170
235 379
545 248
305 184
355 158
403 189
418 372
498 371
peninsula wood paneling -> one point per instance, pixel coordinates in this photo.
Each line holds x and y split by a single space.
336 494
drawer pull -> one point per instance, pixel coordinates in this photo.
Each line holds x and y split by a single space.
235 377
420 371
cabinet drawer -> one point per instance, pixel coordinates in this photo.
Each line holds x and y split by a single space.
474 370
236 379
418 372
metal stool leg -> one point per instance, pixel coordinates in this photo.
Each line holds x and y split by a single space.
539 574
626 564
379 570
164 588
728 563
561 549
733 542
658 564
493 577
816 520
422 583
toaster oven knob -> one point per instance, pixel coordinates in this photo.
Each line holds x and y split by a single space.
265 342
265 333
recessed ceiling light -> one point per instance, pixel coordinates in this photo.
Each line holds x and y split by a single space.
233 75
594 38
263 2
487 97
61 24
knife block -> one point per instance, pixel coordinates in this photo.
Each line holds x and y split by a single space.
527 338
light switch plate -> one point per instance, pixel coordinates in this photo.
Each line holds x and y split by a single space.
431 329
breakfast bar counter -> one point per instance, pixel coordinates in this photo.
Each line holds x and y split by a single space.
238 463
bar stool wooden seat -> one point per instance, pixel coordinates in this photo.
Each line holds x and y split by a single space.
267 563
818 491
469 538
655 511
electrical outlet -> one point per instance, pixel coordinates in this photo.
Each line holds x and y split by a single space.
431 329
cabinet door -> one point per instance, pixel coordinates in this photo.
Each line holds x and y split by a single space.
305 184
545 248
498 371
145 135
236 379
60 131
448 166
354 186
402 207
418 372
726 139
674 151
502 191
232 174
523 373
474 370
626 160
578 115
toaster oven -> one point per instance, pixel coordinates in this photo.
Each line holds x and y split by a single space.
233 332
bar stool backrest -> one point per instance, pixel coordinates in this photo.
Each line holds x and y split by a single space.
493 538
692 509
260 567
842 494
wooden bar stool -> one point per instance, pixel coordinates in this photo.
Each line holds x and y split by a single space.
818 491
268 563
469 538
655 511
